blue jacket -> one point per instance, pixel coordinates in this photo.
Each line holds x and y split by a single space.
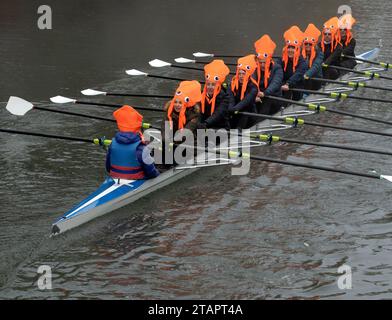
294 79
126 150
316 70
247 104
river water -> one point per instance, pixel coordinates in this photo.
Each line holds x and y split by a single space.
277 233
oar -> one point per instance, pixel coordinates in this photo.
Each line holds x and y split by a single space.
211 55
64 100
270 138
53 136
382 64
323 168
352 84
185 60
20 107
297 121
92 92
136 73
371 75
317 107
340 95
156 63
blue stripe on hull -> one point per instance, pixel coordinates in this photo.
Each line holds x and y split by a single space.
109 182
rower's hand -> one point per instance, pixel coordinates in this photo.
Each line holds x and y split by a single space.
260 95
201 125
285 87
258 100
306 77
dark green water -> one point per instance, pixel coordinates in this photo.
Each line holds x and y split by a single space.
279 232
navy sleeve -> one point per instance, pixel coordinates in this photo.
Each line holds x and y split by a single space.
108 164
316 66
276 81
220 113
298 75
350 49
249 99
149 169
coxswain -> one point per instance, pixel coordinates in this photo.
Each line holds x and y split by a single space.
216 97
126 157
293 64
244 89
269 76
314 57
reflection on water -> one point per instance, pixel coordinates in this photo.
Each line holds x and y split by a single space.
278 232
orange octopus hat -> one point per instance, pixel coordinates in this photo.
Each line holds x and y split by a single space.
216 71
189 93
332 25
265 48
247 64
293 37
311 35
346 22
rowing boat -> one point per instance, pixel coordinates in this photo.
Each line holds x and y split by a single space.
115 194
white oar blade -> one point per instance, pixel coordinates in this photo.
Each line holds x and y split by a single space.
60 99
91 92
184 60
202 55
389 178
18 106
134 72
156 63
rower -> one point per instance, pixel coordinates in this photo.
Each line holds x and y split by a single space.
293 64
269 76
126 158
216 97
347 40
314 57
244 89
330 40
183 111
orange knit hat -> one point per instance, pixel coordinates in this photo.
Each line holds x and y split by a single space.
311 35
128 119
293 37
216 71
189 93
265 48
247 64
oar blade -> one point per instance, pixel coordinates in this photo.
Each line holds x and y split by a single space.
134 72
389 178
184 60
18 106
91 92
202 55
61 99
156 63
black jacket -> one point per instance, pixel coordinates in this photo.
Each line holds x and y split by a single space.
247 104
335 58
220 117
275 81
294 79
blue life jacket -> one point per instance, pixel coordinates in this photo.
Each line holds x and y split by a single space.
124 163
